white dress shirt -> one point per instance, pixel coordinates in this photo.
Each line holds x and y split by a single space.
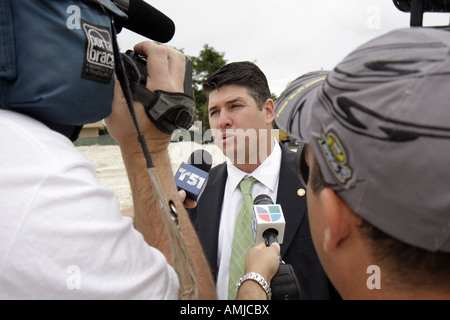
267 175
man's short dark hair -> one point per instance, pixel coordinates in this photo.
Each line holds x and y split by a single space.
245 74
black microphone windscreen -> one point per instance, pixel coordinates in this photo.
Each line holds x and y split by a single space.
262 199
201 159
148 22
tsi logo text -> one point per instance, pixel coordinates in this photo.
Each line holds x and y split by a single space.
191 179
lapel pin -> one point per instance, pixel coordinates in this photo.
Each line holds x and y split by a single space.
301 192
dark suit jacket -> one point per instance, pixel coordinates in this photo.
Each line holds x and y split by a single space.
297 248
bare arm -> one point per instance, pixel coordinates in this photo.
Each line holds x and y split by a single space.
166 72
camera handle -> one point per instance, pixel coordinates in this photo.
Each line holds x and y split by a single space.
169 111
417 11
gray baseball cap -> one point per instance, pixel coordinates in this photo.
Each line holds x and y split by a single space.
379 126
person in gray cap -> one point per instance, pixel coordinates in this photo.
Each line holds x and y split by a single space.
376 134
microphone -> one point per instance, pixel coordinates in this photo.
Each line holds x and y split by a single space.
268 222
192 176
145 20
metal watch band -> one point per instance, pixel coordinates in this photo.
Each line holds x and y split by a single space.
258 278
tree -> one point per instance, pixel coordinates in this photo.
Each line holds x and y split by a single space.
208 62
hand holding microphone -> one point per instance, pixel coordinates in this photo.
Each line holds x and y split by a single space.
260 260
191 176
268 222
268 225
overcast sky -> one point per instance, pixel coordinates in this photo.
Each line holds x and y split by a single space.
286 38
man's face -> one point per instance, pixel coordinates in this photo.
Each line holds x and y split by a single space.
240 128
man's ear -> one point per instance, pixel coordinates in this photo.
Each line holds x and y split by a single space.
269 110
338 219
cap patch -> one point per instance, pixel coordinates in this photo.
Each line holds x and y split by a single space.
335 155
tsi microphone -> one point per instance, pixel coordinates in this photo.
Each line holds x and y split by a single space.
268 222
268 225
192 176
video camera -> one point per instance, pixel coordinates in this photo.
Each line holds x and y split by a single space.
178 113
418 7
136 68
168 111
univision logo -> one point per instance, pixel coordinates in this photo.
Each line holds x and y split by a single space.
268 213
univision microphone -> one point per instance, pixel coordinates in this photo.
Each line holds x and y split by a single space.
268 225
268 222
192 176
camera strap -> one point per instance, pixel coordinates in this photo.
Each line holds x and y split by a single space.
169 111
182 263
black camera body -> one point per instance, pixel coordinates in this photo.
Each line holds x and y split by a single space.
418 7
136 69
169 111
427 5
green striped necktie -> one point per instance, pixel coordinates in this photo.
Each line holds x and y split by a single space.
242 237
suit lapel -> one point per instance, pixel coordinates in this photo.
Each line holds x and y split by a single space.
210 208
293 205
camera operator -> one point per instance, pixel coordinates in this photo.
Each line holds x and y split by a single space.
62 235
169 65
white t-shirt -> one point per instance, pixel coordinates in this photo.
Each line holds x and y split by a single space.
62 235
267 175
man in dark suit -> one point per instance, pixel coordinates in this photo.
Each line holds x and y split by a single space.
241 114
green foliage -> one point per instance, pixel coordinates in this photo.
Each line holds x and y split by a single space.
208 61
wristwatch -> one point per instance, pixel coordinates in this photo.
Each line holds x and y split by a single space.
258 278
